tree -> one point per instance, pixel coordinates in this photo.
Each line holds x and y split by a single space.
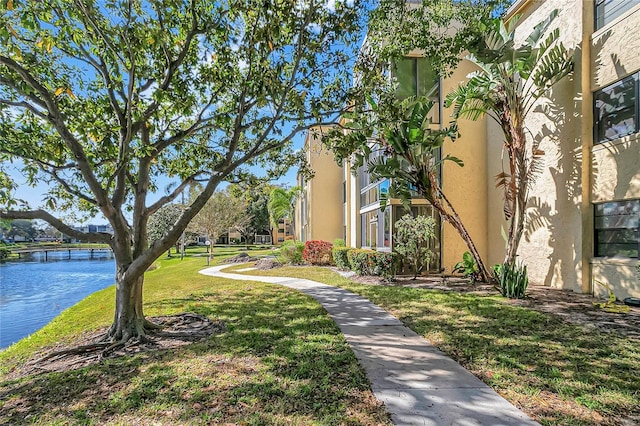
161 222
282 203
50 232
507 86
412 241
256 196
99 99
408 153
222 212
440 29
23 229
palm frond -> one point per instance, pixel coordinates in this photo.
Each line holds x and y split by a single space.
540 29
556 64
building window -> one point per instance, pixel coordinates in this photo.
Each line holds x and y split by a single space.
617 228
616 110
608 10
416 77
344 192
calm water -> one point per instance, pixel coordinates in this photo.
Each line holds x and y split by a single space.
34 291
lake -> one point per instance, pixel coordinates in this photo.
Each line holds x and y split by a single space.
34 291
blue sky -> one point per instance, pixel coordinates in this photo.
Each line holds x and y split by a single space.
34 195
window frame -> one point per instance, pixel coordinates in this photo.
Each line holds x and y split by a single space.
415 66
596 26
636 108
596 228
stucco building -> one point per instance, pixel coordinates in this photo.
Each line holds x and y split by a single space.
320 208
584 211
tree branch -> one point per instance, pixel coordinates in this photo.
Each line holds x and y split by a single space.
56 119
56 223
173 195
65 184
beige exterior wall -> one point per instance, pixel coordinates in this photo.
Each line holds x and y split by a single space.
616 50
465 186
282 232
323 194
558 242
616 170
615 165
619 274
552 243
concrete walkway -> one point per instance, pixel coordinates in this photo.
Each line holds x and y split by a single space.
418 383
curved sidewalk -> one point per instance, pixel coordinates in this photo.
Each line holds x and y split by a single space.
418 383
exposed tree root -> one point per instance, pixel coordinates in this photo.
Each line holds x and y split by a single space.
84 349
163 333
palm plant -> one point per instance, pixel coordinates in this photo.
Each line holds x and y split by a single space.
412 161
507 86
281 205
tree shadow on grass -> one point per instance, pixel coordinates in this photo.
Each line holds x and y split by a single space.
281 360
556 372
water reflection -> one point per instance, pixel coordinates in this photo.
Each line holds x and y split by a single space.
34 291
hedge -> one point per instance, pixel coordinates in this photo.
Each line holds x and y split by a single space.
317 252
340 257
369 262
291 252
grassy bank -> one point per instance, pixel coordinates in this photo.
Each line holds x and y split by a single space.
560 374
281 360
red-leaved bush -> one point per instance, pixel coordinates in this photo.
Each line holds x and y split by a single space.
317 252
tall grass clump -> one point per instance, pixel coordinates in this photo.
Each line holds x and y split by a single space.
513 280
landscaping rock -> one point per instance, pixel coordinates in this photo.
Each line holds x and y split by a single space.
241 258
268 263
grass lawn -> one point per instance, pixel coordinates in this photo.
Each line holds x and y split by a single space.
281 360
558 373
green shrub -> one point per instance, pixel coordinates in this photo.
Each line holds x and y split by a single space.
412 238
385 265
291 252
340 257
497 271
4 252
467 267
369 262
513 280
317 252
361 261
339 242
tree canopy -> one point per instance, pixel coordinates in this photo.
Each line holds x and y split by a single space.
99 99
220 215
281 205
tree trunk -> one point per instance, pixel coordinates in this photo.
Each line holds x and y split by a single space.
129 321
516 228
457 224
450 215
520 184
210 256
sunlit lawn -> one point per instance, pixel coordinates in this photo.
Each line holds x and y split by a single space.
557 372
281 360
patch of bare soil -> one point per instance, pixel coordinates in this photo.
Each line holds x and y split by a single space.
571 307
176 331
